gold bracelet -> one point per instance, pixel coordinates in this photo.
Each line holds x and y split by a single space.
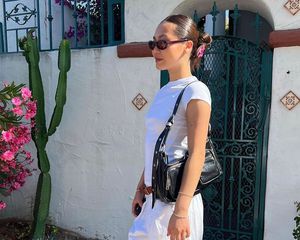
179 216
184 194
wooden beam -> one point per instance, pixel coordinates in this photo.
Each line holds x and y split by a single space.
284 38
280 38
134 50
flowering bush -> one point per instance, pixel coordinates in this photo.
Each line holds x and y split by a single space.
82 11
16 105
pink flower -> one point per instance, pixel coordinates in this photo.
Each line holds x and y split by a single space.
2 205
14 159
31 110
8 155
7 136
18 110
16 185
16 101
26 93
28 155
29 115
5 169
201 50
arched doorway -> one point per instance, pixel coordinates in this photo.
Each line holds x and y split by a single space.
237 69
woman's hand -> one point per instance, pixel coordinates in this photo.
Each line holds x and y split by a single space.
179 228
138 199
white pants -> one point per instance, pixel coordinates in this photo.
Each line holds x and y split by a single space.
152 224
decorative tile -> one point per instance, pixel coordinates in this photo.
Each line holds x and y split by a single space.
290 100
293 6
139 101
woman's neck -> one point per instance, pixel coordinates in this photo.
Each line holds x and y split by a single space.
178 73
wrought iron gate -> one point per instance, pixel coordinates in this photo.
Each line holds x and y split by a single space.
238 74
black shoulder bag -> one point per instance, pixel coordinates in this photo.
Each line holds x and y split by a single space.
167 175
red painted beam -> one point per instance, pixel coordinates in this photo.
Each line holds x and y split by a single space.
134 49
284 38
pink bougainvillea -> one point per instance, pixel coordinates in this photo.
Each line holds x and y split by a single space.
17 110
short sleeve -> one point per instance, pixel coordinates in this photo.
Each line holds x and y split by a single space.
196 90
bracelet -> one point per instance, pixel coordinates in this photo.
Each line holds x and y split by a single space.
184 194
179 216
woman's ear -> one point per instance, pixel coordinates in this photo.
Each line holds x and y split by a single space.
189 46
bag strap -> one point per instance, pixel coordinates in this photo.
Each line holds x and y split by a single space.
171 119
163 136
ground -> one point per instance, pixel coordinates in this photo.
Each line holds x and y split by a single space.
15 229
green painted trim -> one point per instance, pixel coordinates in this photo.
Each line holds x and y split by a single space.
1 39
164 78
266 127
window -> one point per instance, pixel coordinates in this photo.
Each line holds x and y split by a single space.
86 23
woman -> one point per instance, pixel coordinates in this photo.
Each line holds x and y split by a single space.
177 46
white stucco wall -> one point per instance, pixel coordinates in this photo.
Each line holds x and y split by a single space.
97 152
283 176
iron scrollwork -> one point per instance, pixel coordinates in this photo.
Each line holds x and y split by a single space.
20 14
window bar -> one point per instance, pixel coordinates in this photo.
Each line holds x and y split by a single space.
235 92
5 26
235 15
75 22
50 18
89 23
231 187
228 81
102 21
17 42
244 82
214 13
1 39
224 159
122 12
37 15
62 19
238 214
196 17
110 21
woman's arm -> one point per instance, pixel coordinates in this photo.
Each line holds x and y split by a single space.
139 195
197 115
141 181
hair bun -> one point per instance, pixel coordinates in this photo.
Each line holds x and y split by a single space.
205 38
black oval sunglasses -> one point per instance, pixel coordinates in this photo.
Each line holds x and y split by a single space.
163 44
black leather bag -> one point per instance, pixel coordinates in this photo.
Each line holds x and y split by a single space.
167 175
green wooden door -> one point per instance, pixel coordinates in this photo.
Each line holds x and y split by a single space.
238 74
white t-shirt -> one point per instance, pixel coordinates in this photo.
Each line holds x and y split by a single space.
159 113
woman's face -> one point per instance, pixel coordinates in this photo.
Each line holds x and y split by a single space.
175 54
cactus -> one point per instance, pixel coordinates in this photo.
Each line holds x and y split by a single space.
40 134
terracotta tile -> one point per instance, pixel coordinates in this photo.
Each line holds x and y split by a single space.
139 101
290 100
293 6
